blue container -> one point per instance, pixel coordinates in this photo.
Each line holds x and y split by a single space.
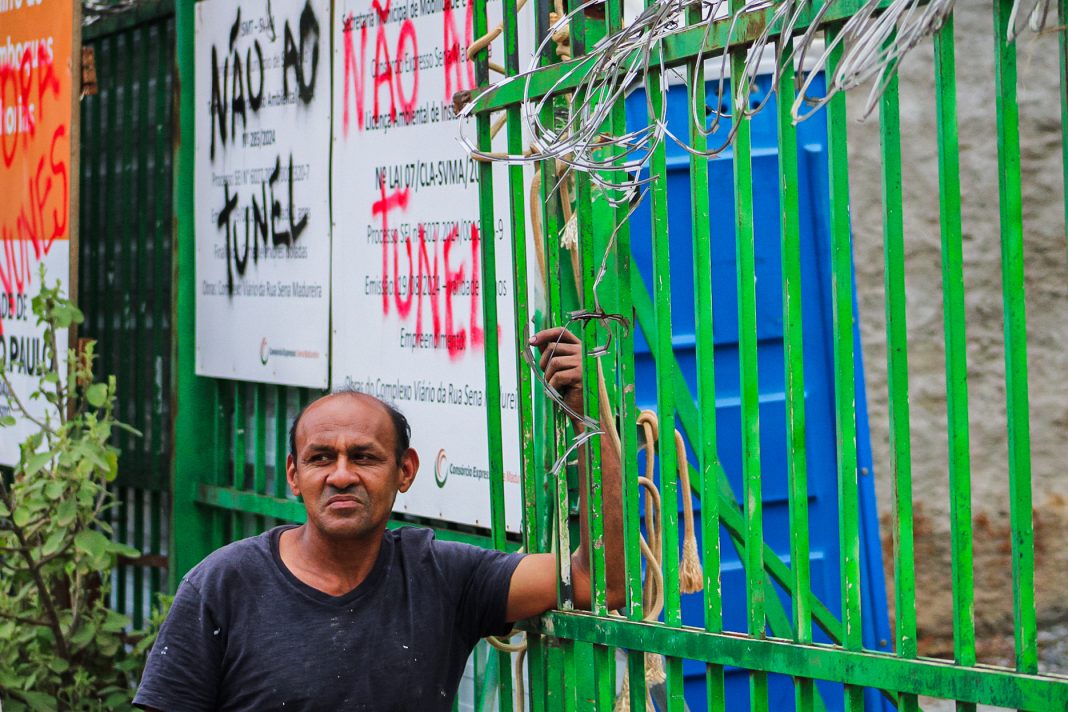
818 365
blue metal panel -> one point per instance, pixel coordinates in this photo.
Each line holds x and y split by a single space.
819 395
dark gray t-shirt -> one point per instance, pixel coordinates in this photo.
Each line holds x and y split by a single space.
245 634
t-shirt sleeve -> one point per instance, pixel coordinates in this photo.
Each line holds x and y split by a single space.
483 579
183 667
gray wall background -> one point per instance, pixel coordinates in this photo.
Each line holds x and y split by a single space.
1047 326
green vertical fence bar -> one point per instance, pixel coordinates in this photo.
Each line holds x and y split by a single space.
626 407
140 45
844 376
587 31
960 505
661 345
196 416
1012 276
490 335
705 444
281 440
529 477
797 472
748 387
897 371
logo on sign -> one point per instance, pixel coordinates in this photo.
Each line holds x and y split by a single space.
264 351
441 468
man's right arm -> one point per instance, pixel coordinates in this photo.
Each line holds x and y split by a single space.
533 585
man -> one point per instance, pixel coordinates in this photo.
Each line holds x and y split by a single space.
341 613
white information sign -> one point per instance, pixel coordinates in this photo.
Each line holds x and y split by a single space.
407 285
262 186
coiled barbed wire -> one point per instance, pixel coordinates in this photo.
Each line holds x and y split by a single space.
1033 14
873 42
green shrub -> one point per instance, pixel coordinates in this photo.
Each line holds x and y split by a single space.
61 647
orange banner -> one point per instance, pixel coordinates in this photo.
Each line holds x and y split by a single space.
36 81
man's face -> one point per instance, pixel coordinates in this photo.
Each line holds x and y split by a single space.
346 466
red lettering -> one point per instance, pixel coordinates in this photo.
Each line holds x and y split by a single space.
24 233
404 306
46 78
59 168
453 280
453 48
383 72
429 282
477 336
7 77
407 103
357 74
397 199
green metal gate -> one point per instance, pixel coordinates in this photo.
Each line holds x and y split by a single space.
230 438
124 273
570 653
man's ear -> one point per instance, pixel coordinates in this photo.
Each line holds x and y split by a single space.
291 475
409 466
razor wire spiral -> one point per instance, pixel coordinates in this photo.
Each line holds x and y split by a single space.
872 42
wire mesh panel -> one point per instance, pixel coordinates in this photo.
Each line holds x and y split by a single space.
124 274
584 174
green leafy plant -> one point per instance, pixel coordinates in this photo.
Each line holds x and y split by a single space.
61 647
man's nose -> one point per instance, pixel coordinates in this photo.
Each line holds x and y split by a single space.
344 474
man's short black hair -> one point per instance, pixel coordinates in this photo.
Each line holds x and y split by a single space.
402 431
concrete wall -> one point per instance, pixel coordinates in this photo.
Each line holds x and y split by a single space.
1047 326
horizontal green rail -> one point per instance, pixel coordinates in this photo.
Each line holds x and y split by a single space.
935 678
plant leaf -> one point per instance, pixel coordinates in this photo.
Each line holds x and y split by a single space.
97 395
36 462
53 544
66 512
91 542
54 489
38 700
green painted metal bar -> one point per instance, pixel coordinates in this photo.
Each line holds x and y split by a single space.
626 407
960 504
897 381
281 440
163 258
587 31
490 335
793 344
155 541
136 259
844 375
984 685
122 535
537 672
552 202
1012 276
138 612
749 389
195 415
124 268
680 48
665 392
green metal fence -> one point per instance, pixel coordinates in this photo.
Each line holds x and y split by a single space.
124 273
566 645
230 438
